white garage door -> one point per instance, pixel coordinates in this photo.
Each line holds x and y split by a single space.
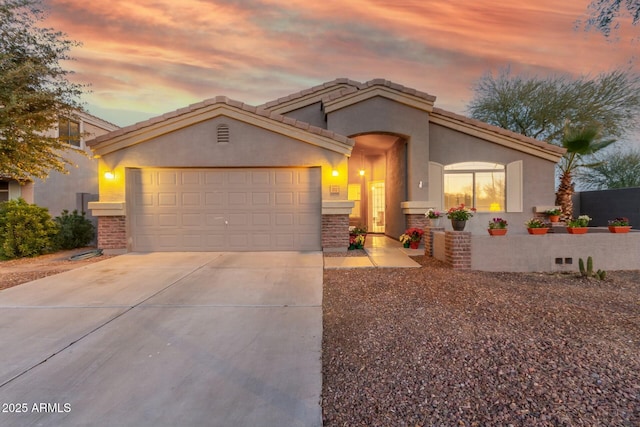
257 209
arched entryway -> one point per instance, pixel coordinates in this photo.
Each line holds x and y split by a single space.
377 181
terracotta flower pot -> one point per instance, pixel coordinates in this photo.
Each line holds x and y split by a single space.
497 231
537 231
414 244
619 228
554 218
577 230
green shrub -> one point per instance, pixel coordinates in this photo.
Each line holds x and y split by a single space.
75 230
25 230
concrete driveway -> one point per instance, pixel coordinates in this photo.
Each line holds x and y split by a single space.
166 339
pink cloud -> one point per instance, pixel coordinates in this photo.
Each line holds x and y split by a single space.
159 55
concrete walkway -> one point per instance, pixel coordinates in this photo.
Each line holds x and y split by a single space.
382 251
166 339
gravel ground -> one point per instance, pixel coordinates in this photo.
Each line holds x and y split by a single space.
434 347
17 271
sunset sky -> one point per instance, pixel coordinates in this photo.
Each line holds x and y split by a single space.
147 57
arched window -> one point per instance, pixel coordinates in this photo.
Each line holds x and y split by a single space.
476 184
223 134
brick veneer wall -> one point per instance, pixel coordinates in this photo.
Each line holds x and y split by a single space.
335 231
417 221
458 249
112 232
428 239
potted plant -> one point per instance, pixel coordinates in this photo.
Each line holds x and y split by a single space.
536 226
357 237
459 216
619 225
498 227
411 237
434 217
553 214
578 225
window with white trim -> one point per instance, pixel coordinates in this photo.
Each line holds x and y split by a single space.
475 184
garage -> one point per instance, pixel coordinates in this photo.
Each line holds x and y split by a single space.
224 209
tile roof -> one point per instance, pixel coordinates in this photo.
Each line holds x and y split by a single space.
354 87
498 130
222 100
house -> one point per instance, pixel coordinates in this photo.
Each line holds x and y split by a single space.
295 173
65 191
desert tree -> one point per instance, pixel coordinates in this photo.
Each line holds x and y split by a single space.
605 15
541 107
581 144
616 168
34 91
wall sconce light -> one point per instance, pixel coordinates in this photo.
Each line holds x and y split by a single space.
334 173
361 172
109 175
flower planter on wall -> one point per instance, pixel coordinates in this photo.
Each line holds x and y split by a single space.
619 228
537 231
497 231
458 225
577 230
554 218
414 244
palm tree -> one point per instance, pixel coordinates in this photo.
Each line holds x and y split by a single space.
579 142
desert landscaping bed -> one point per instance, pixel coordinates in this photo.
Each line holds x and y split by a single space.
17 271
434 347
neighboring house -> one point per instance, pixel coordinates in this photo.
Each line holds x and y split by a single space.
294 173
65 191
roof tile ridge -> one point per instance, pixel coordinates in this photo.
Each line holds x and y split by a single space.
498 129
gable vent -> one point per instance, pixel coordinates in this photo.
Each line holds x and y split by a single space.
223 134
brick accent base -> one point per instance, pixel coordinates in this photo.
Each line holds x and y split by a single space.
428 239
417 221
335 231
458 249
112 232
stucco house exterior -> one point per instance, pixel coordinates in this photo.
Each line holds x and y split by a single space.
65 191
296 172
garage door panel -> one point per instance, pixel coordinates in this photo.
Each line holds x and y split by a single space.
191 199
214 177
190 178
259 199
214 199
237 199
167 199
261 177
284 177
225 209
167 178
168 220
285 199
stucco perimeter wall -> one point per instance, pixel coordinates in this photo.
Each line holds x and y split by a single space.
450 146
527 253
197 146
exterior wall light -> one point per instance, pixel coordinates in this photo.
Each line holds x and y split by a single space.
109 175
334 173
361 172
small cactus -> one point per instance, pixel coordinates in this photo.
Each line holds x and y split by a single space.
588 271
